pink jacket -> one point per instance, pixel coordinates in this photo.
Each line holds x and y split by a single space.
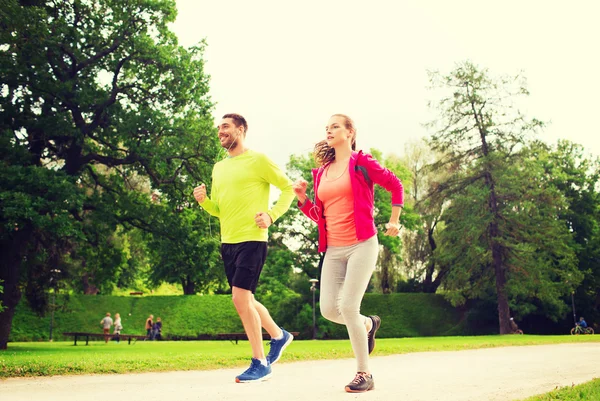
365 171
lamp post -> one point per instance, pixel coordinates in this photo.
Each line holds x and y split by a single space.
573 306
313 289
54 286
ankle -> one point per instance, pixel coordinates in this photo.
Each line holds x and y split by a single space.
368 324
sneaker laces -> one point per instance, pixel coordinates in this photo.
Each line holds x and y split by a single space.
253 367
360 377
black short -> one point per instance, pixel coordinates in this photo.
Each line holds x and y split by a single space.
243 263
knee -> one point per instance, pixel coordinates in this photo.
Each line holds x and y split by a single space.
240 302
348 311
329 311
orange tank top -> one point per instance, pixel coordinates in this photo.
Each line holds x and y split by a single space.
338 203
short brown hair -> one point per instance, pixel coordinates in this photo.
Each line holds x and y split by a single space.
237 120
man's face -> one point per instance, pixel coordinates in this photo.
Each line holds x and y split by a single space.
229 133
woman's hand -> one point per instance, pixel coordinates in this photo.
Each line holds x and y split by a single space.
300 189
393 229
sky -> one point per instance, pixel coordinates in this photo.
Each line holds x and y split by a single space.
288 66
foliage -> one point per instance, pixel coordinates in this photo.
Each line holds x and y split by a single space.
404 314
419 245
577 177
182 251
181 316
501 235
97 101
581 392
390 255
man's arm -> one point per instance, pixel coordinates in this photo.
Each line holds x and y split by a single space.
274 176
207 204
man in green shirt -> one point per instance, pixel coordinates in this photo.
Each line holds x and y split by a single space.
240 199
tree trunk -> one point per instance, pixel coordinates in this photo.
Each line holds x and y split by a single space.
9 276
493 230
189 287
88 289
498 261
428 282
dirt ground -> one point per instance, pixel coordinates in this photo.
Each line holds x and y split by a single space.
496 374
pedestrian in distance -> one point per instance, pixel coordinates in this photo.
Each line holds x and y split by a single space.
157 329
343 210
118 328
106 323
149 323
240 199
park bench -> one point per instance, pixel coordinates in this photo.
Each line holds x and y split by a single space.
87 336
242 336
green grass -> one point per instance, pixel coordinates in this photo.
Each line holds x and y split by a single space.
62 358
584 392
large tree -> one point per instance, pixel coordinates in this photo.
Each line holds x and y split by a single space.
94 93
577 176
423 270
501 226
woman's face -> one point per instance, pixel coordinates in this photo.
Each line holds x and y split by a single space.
336 133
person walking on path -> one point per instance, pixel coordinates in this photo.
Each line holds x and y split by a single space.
106 323
240 199
118 328
343 210
149 326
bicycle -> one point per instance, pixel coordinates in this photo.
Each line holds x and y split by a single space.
580 330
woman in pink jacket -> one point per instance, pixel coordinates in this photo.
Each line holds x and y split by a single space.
343 211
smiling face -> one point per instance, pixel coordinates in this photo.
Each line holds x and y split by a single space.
229 134
337 133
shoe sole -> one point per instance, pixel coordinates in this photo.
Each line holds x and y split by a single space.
348 390
288 342
267 377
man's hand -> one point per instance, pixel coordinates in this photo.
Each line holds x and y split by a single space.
263 220
200 193
300 189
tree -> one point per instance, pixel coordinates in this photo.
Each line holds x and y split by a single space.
501 226
420 244
184 252
577 177
94 94
390 254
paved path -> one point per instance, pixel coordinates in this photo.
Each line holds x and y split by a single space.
497 374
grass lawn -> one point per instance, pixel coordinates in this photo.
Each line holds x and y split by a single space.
585 392
62 358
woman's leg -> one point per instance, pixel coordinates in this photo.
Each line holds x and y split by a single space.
360 267
344 280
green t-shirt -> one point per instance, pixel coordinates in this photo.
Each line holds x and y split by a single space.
240 189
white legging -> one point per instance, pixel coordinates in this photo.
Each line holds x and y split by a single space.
344 279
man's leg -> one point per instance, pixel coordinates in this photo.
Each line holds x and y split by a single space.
266 320
251 319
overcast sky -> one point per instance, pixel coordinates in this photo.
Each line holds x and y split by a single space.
287 66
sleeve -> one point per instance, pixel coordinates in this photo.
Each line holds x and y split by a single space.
274 176
309 209
211 205
385 178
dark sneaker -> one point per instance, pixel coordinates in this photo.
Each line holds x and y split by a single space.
361 383
277 347
371 336
255 373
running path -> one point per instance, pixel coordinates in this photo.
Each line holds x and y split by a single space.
496 374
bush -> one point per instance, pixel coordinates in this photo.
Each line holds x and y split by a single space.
403 315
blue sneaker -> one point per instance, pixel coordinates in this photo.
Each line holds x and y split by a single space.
255 373
277 347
